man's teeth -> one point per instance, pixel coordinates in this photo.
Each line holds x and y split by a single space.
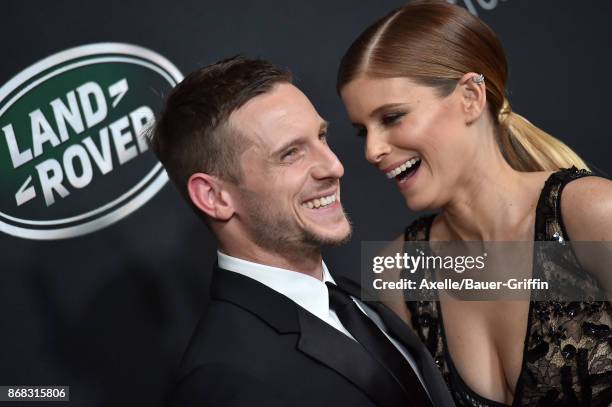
321 202
397 171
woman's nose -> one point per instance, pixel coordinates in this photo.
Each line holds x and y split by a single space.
376 148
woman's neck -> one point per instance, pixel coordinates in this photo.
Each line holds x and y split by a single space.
494 202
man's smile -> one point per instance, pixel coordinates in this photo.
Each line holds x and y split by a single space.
322 201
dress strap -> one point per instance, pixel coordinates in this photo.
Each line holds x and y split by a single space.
549 220
419 229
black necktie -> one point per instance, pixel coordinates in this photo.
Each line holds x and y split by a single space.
365 331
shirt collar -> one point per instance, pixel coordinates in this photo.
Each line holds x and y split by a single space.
308 292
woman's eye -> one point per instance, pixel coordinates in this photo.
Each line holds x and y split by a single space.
391 118
323 137
361 132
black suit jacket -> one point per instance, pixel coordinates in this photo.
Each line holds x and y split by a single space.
254 346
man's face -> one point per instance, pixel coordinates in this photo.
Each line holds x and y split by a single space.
289 195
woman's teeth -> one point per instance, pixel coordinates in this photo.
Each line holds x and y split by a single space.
397 171
321 202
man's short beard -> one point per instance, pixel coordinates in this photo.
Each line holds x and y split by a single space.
273 229
316 240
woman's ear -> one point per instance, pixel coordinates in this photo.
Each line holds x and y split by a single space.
209 194
473 92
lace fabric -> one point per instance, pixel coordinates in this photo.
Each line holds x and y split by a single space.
567 354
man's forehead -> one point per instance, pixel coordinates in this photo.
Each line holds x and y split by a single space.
275 115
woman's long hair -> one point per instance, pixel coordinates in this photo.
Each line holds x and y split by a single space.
435 44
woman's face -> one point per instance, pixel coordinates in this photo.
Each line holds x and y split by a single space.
418 139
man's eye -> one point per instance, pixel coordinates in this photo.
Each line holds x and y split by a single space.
361 132
289 153
391 118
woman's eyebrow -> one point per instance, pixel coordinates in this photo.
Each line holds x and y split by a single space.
385 107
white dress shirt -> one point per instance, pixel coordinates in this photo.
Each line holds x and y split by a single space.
307 292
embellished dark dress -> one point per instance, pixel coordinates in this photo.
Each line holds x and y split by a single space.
567 354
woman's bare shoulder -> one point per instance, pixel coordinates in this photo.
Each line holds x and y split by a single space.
586 207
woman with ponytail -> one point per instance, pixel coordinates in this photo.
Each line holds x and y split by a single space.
426 87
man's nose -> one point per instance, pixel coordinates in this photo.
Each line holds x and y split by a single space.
328 165
376 148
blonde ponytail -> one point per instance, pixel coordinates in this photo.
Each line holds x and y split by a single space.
527 148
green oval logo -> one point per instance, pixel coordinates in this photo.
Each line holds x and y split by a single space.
73 158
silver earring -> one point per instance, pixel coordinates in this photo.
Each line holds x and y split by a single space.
478 79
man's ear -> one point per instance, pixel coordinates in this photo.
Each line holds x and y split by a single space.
473 92
209 194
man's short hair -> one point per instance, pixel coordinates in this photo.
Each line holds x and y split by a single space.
192 133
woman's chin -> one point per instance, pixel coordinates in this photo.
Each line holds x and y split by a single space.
414 206
418 204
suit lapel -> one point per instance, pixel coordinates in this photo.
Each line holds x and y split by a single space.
394 324
342 354
317 339
437 387
273 308
434 381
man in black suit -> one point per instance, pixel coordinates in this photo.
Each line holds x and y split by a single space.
248 150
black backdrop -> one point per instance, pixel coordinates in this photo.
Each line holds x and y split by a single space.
109 313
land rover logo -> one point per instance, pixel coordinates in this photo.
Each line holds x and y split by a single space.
73 158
